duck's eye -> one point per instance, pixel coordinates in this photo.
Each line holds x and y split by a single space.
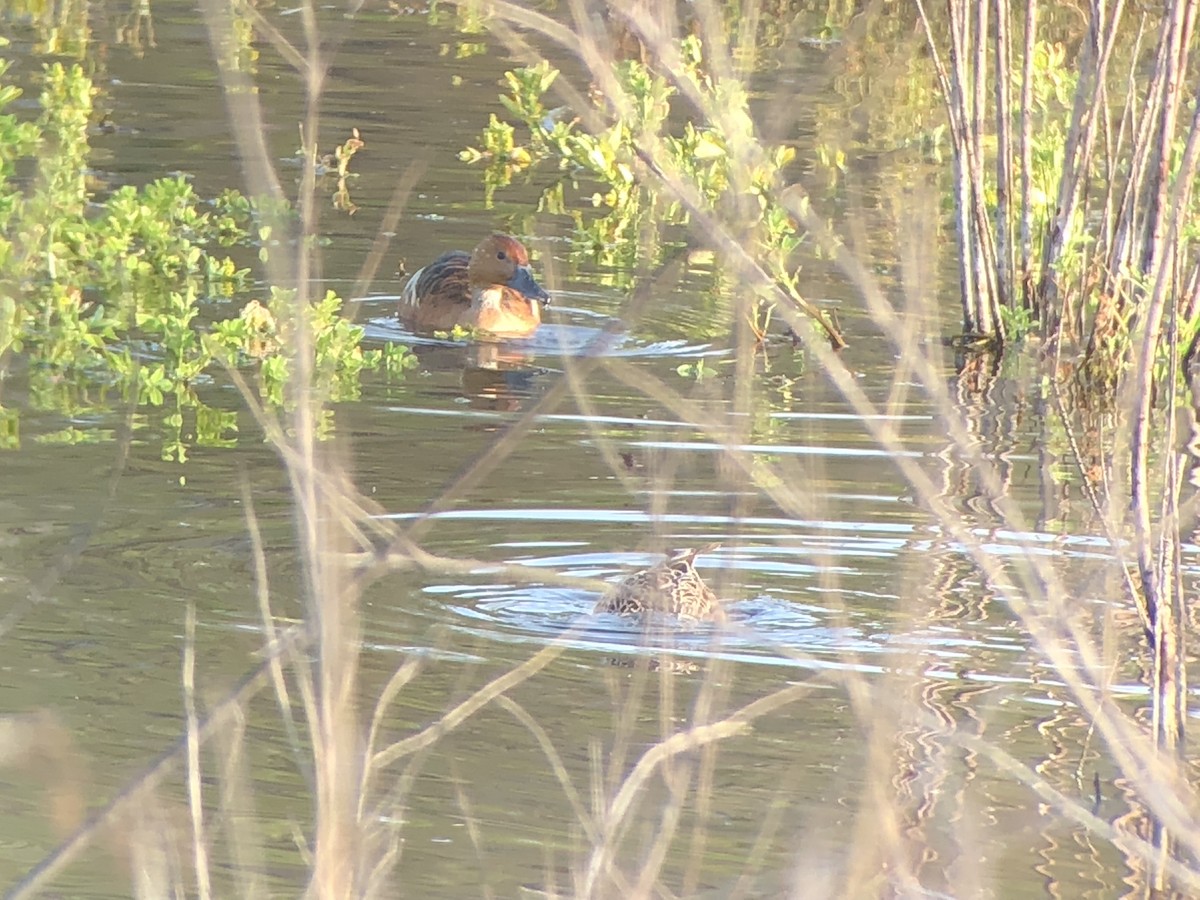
501 255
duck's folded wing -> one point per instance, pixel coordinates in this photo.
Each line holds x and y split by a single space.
442 282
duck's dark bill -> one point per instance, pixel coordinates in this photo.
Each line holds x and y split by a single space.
522 281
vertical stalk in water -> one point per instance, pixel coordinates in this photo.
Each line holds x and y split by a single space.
1004 153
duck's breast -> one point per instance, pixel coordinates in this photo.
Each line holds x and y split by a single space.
502 310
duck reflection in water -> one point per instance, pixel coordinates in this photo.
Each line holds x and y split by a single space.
499 376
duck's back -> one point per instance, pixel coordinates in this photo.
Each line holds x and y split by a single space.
673 587
437 295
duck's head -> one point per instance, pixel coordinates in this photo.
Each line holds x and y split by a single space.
501 259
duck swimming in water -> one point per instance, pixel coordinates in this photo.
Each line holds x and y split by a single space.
672 587
490 289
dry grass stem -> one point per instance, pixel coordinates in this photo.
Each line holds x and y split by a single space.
459 714
195 793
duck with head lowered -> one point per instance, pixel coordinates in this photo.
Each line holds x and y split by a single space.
673 587
490 289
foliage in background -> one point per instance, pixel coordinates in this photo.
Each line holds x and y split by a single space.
1072 178
104 303
720 160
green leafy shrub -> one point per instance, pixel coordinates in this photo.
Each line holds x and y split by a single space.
106 299
721 160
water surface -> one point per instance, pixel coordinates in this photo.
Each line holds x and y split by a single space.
102 553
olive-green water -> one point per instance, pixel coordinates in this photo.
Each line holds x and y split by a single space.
103 545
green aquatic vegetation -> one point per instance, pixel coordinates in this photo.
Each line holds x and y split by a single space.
266 335
587 160
721 160
1019 322
696 371
118 300
602 159
457 333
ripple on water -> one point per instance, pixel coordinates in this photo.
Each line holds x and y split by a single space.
806 594
773 619
575 333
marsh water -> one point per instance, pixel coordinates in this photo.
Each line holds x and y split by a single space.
104 544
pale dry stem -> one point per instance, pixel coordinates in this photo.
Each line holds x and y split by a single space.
195 793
